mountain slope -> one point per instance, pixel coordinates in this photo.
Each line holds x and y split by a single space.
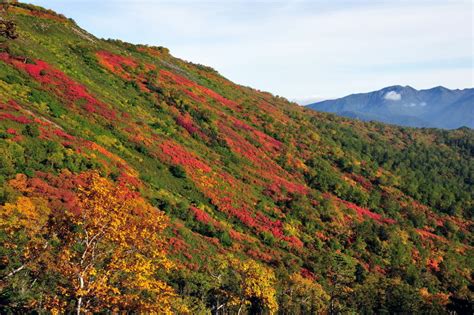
263 205
437 107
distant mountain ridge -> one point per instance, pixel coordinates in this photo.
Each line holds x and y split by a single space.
403 105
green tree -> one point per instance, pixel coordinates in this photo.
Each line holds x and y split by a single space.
342 276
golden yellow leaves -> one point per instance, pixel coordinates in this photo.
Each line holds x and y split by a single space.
257 283
24 222
106 253
119 250
305 294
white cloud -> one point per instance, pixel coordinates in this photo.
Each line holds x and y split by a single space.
308 99
392 96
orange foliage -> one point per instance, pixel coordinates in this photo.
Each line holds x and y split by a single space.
107 251
116 63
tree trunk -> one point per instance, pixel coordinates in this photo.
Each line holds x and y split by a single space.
240 309
15 271
79 300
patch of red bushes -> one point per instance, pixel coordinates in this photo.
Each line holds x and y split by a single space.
362 181
63 134
305 273
364 212
202 216
180 156
12 131
19 119
184 82
116 63
10 105
256 254
279 185
424 234
177 245
187 123
268 143
39 14
58 190
63 86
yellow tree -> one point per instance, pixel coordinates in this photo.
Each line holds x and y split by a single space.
257 285
242 286
113 251
24 227
304 296
104 255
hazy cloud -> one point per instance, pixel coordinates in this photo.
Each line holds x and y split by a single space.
393 96
308 99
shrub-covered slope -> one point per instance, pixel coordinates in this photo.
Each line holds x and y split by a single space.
133 180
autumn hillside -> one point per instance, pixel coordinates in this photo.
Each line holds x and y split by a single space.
131 180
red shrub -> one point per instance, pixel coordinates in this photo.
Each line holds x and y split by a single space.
177 245
12 131
41 122
58 82
236 235
187 123
279 184
57 190
17 138
11 105
260 256
39 14
366 212
62 134
128 180
18 119
202 216
269 144
428 235
433 263
294 241
182 157
115 63
307 274
182 81
362 181
197 98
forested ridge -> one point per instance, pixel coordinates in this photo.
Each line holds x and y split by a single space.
131 180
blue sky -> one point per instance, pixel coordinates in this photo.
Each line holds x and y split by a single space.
303 50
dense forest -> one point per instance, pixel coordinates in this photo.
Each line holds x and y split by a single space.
133 181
